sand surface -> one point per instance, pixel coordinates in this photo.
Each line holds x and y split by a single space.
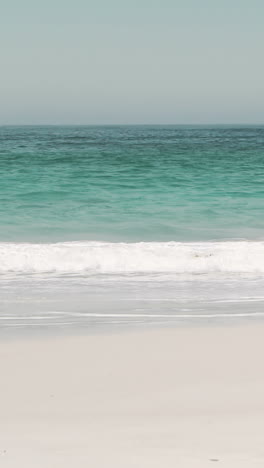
159 399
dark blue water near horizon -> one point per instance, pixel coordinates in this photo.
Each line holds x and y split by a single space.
131 183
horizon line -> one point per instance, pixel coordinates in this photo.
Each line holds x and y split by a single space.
130 124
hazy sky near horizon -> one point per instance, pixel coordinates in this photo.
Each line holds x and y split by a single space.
120 62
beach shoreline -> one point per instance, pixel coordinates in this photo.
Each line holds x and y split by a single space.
186 397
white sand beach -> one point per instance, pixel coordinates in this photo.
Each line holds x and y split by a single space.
190 397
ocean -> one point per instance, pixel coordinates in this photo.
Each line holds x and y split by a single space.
104 226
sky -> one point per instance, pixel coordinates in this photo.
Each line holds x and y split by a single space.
131 62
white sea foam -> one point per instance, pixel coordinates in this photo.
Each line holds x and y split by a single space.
240 257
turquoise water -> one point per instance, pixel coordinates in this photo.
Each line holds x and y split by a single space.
131 183
121 225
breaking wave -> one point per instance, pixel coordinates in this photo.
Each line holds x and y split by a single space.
238 257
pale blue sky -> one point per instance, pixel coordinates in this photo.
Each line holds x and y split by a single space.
119 62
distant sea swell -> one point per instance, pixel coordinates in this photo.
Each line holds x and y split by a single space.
131 184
